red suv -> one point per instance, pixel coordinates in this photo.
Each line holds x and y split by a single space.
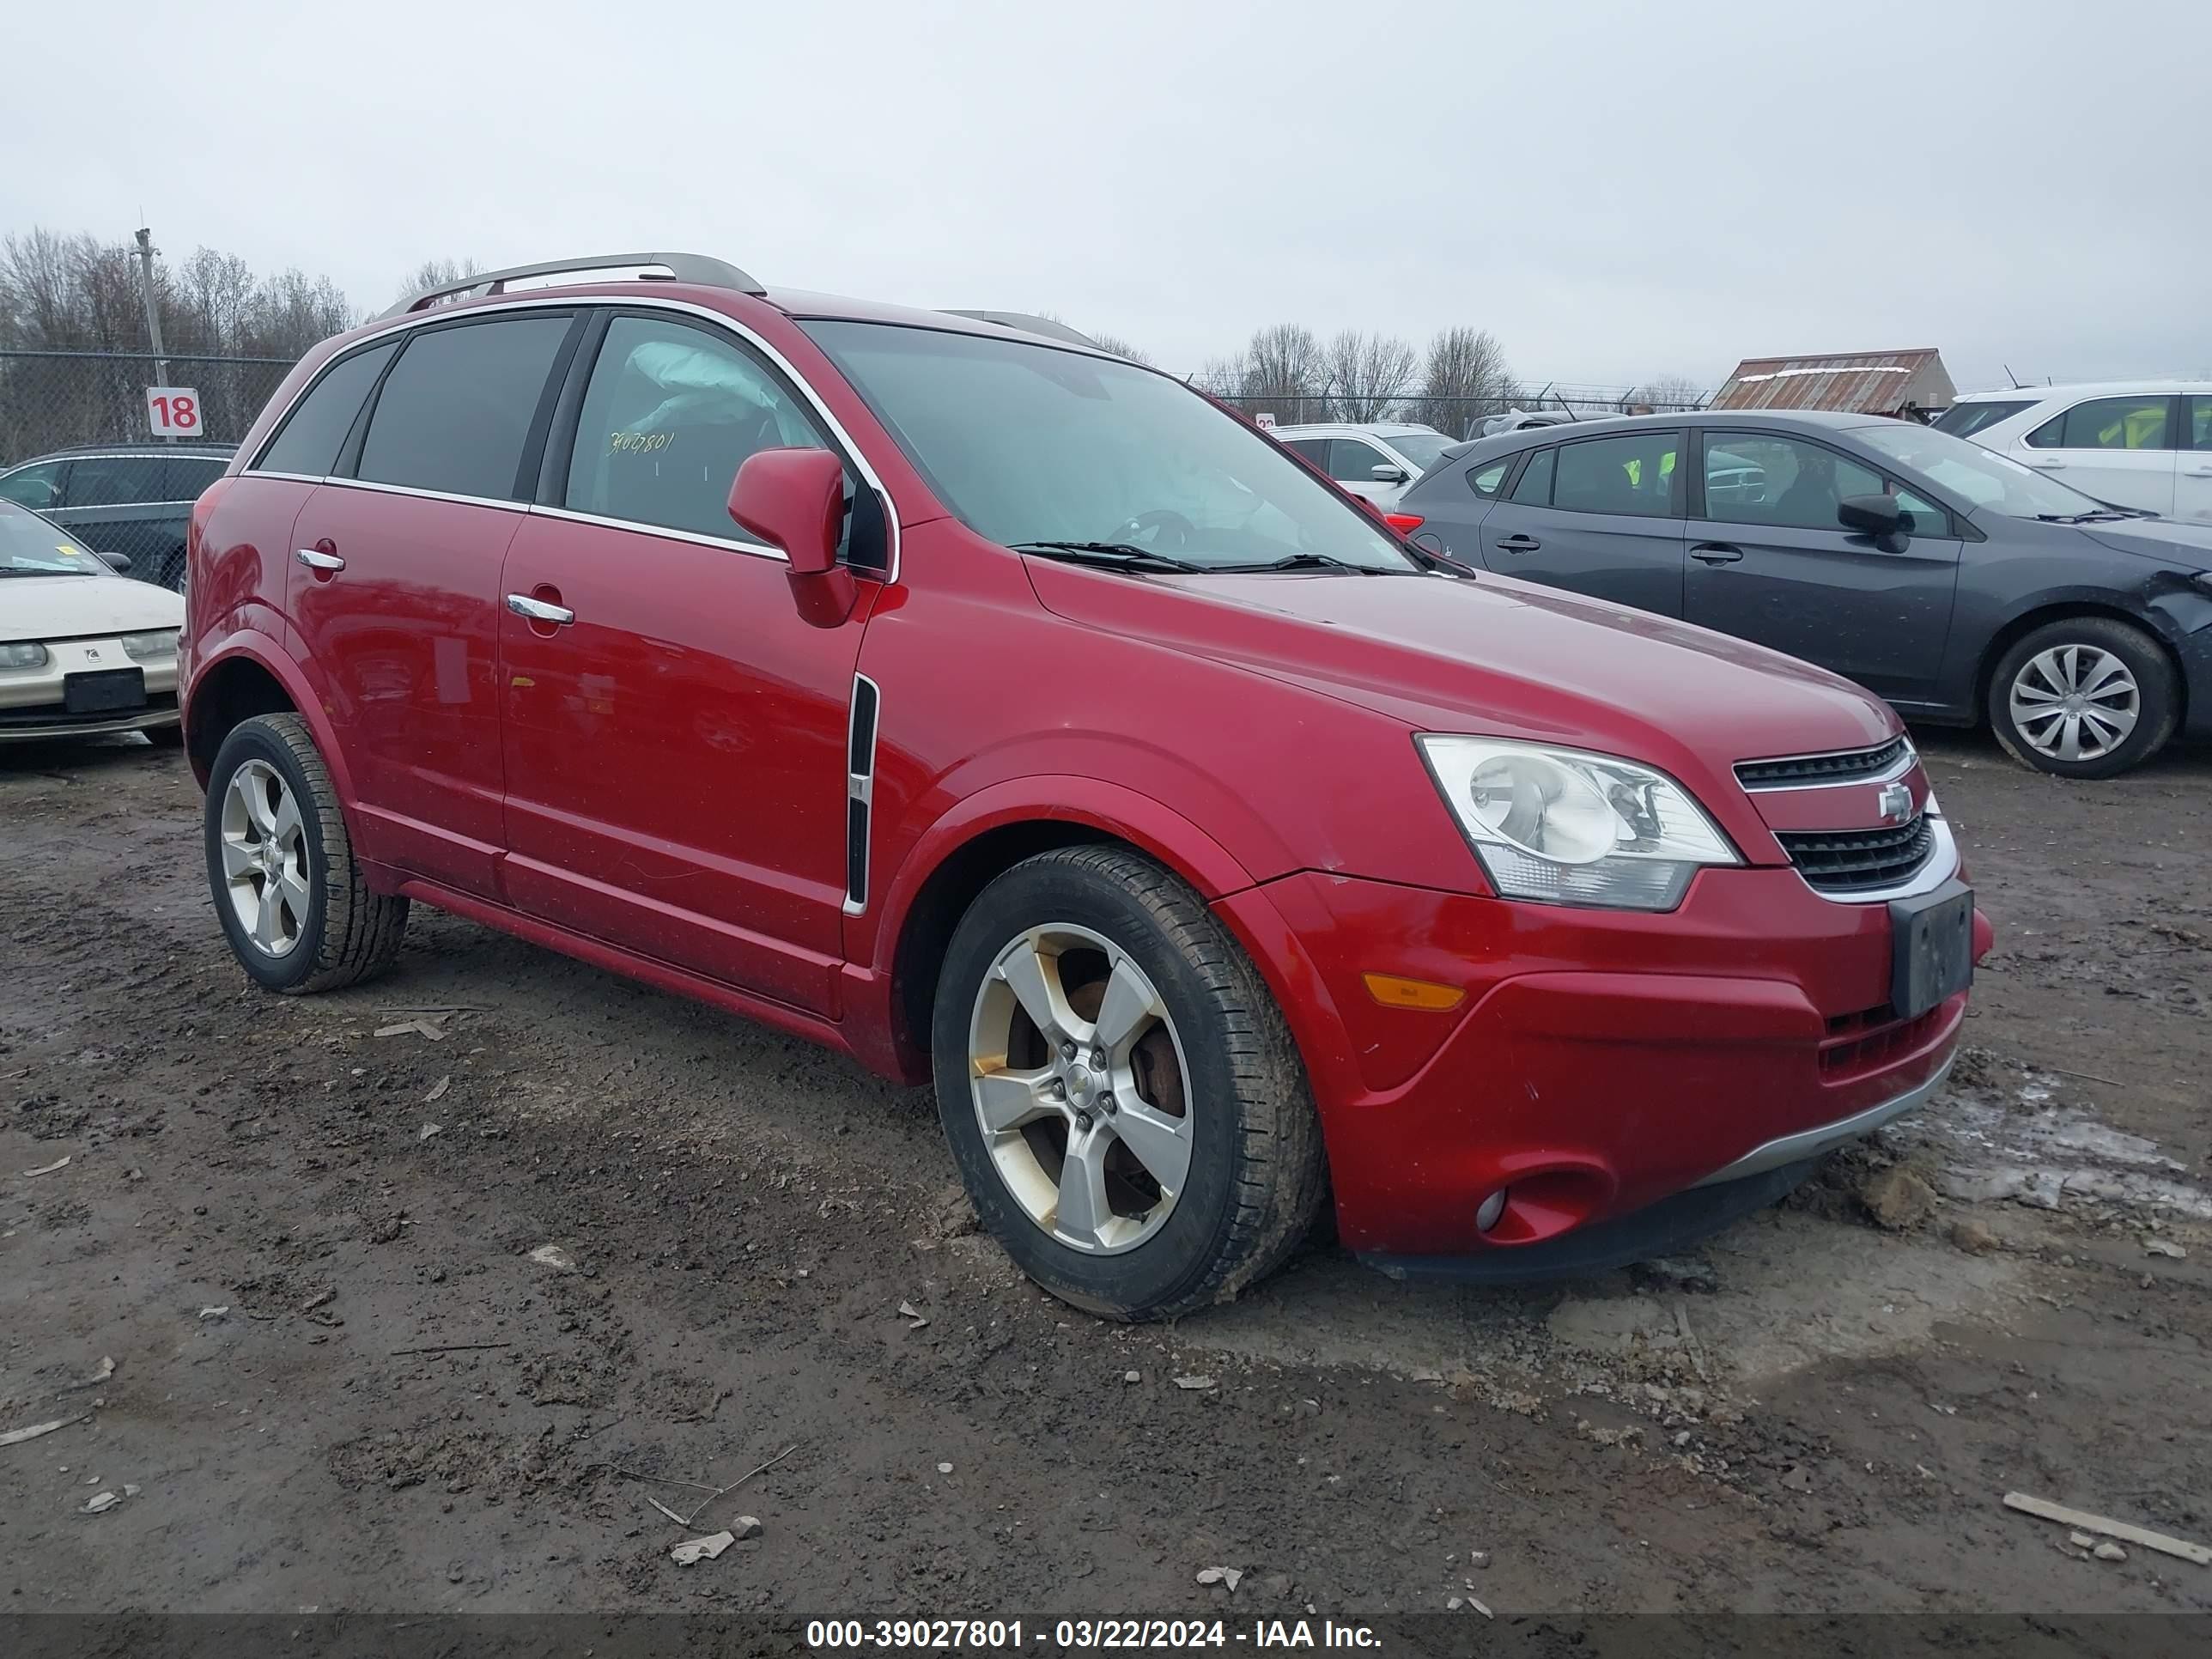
1002 712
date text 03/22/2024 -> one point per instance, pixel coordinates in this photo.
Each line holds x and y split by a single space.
1014 1634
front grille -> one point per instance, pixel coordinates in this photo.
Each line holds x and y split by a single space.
1858 860
1801 769
1866 1041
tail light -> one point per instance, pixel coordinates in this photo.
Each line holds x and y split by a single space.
1404 523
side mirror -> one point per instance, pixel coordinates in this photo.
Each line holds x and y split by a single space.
794 500
1878 516
119 562
1386 472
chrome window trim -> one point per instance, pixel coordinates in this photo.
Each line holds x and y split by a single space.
1940 865
1897 769
639 527
384 329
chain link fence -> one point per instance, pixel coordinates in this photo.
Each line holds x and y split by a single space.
55 399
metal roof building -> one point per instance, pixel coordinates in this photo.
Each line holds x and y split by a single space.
1850 382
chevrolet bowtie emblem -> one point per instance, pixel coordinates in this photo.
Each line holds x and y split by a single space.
1894 803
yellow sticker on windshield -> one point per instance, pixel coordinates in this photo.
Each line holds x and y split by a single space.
64 546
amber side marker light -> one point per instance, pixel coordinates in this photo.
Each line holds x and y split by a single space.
1393 991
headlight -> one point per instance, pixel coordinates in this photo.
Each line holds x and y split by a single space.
150 647
30 654
1567 828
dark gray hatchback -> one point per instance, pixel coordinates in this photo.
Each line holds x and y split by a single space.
1955 583
132 499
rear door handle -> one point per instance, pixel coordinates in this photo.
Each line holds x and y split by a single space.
1520 543
1715 553
2042 466
537 611
2198 472
314 561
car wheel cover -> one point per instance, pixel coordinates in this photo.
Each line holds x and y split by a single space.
2075 702
1080 1089
263 845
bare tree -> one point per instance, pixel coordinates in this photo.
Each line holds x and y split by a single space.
1368 373
1464 378
1121 348
1667 392
1284 373
436 273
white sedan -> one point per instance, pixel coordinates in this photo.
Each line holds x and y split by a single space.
83 649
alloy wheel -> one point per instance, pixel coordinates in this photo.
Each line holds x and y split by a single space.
264 858
2075 702
1081 1088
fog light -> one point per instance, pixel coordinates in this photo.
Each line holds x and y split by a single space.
1487 1212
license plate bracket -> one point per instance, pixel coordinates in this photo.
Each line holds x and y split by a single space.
104 691
1931 948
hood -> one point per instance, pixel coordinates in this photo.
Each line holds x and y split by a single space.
72 607
1495 658
2170 541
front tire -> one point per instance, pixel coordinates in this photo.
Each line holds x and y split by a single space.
1119 1089
2084 697
291 897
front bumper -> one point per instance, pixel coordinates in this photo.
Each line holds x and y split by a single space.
32 706
1601 1061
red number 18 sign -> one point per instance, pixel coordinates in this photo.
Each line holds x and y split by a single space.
174 412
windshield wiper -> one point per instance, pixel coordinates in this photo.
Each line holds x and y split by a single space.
2101 515
1306 562
1110 555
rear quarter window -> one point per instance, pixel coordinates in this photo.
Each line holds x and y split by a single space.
1489 478
307 443
1964 419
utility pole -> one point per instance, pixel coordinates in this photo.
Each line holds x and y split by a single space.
153 313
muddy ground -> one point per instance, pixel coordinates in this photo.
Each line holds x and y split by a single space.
266 1206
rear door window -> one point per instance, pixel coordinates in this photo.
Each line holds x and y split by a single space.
1312 449
1535 488
2140 423
307 443
455 412
114 481
672 412
1637 474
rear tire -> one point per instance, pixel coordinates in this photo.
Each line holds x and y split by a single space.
290 896
1167 1054
2084 697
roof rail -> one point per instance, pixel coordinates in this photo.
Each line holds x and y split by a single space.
1050 327
693 268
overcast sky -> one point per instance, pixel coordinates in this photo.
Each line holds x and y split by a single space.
1617 192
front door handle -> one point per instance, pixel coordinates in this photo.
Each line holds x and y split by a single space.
2198 472
2042 466
1518 543
1715 553
537 611
318 561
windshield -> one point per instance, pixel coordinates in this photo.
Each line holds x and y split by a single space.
1029 444
1982 476
1423 449
30 546
1964 419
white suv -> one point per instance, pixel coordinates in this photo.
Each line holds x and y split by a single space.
2144 444
1378 462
